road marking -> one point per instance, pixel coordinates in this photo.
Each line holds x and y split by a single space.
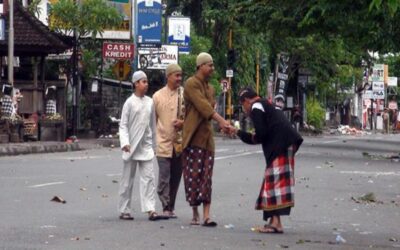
221 150
371 173
237 155
47 184
326 142
111 175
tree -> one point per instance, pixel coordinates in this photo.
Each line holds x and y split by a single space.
88 18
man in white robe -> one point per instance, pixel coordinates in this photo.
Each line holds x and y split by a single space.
137 139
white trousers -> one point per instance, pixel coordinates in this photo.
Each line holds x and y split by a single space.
147 187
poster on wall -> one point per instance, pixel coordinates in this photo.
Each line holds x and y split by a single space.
149 24
179 33
157 58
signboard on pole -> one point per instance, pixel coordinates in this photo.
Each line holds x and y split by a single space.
229 73
378 73
282 74
149 23
157 58
179 33
124 51
392 81
225 85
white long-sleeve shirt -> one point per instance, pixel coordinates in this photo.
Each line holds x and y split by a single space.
137 128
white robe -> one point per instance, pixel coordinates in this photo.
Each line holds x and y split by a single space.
137 128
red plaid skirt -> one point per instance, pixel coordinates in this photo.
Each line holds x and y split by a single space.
277 189
197 166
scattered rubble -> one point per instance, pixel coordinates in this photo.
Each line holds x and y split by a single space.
347 130
58 199
367 199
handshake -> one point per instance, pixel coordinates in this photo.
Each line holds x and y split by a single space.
228 129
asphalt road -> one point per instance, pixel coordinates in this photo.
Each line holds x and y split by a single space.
332 173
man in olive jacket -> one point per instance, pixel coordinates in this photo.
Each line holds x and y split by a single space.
198 140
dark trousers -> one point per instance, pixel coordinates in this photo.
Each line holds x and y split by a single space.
170 172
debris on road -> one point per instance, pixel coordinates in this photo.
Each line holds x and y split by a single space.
369 197
83 189
114 181
339 239
229 226
58 199
347 130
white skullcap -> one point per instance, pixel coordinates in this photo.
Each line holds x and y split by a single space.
138 75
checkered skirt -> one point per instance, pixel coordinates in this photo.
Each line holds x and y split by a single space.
277 189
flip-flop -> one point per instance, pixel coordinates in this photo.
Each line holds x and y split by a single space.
172 215
195 222
126 217
154 216
268 229
209 223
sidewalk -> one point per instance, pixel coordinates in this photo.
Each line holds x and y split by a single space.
39 147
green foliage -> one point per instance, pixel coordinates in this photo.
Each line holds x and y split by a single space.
315 114
88 18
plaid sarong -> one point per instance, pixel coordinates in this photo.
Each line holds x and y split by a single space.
197 173
277 189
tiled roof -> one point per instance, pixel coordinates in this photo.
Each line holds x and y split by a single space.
31 36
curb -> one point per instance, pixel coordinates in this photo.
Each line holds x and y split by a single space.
20 149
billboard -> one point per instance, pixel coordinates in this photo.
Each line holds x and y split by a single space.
149 25
157 58
122 51
179 33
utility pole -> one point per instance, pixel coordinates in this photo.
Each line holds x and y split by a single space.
11 43
75 93
229 91
258 73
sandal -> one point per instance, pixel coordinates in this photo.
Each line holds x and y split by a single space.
209 223
195 222
172 215
268 229
126 216
153 216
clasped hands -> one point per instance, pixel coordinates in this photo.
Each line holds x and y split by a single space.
227 128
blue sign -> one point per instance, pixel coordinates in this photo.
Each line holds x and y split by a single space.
179 33
149 23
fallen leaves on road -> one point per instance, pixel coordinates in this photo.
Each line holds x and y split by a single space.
58 199
393 157
366 199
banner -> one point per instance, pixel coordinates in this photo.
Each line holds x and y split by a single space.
157 58
283 74
149 23
179 33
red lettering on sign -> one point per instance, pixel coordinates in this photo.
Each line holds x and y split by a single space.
118 50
